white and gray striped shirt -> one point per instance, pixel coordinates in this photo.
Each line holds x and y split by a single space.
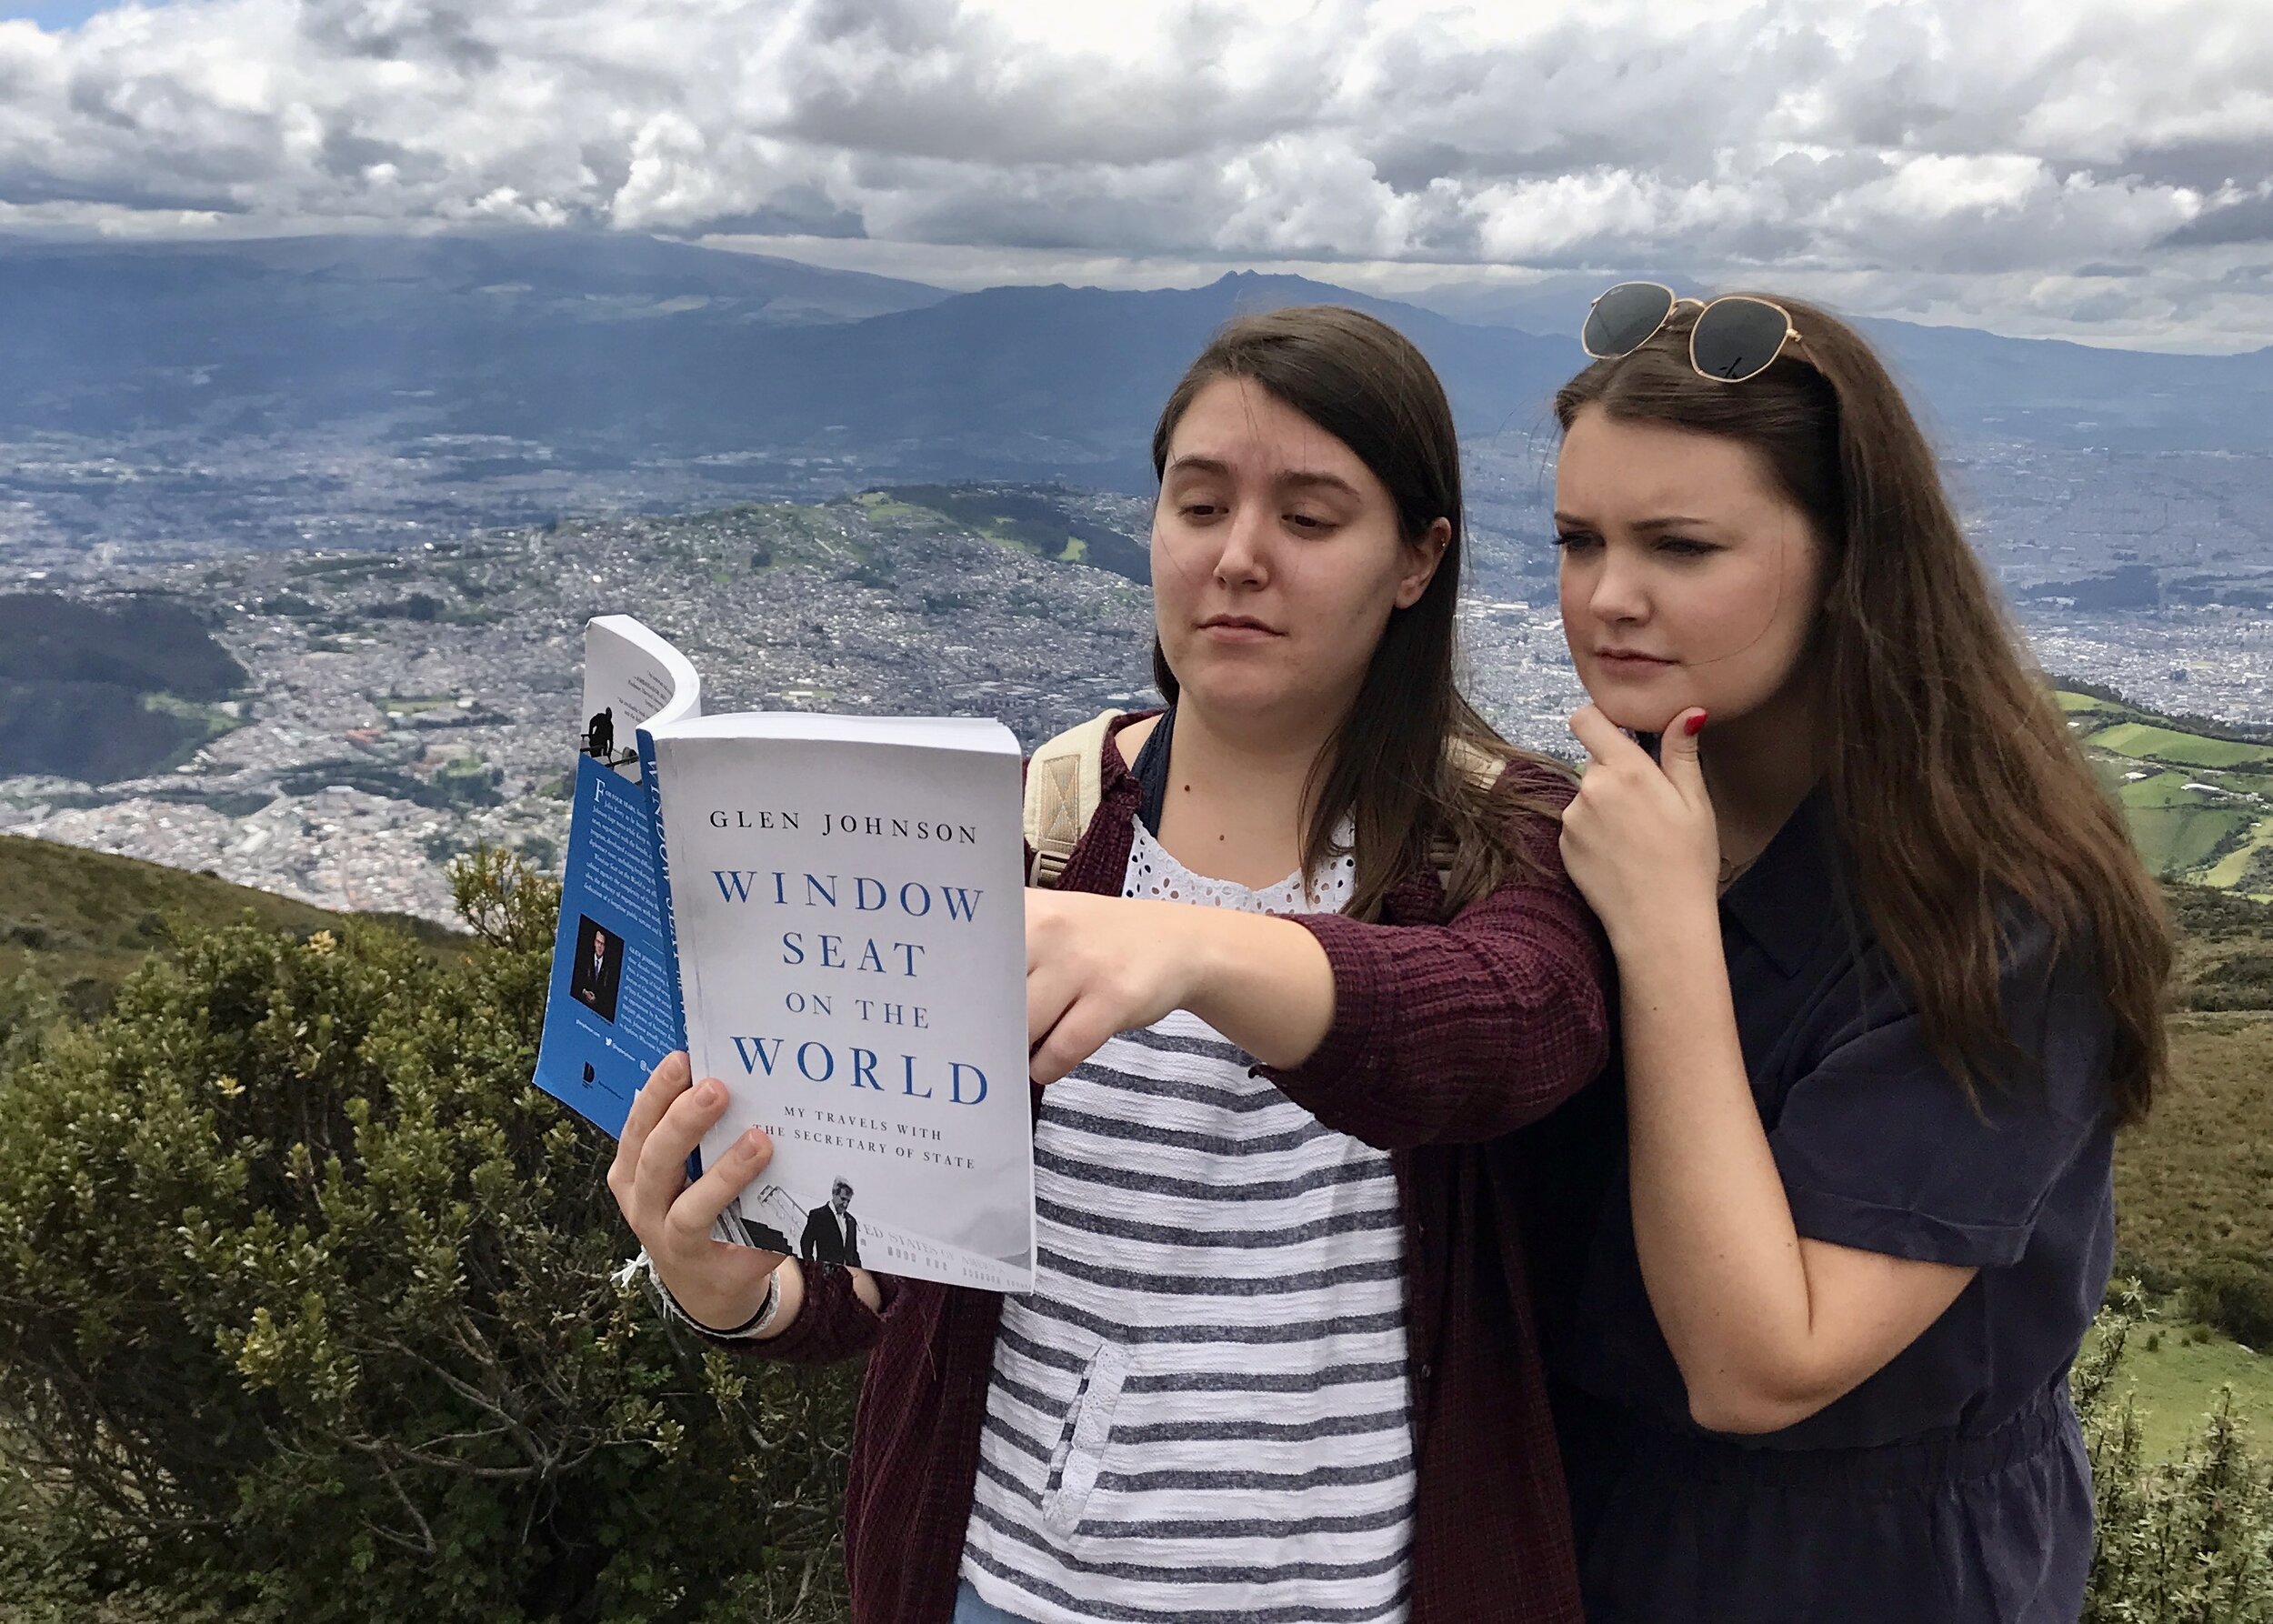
1202 1411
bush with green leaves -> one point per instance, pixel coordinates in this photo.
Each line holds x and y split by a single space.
311 1306
2186 1541
2234 1293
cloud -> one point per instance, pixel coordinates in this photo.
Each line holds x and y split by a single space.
2247 218
1937 150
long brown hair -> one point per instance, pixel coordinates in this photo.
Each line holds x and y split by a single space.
1956 785
1408 764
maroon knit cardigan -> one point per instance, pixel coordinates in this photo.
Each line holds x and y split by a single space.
1446 1034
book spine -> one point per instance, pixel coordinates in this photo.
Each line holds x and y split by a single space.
652 786
650 781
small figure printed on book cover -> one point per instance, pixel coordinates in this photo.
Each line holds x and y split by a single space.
832 1234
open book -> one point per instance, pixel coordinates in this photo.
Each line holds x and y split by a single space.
828 914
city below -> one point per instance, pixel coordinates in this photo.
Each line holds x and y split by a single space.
401 705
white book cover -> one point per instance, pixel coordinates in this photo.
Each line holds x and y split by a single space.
848 897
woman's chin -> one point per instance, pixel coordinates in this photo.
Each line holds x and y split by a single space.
1233 688
1638 715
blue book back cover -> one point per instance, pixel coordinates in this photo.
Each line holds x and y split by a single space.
613 1012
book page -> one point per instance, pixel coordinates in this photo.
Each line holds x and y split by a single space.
852 947
631 679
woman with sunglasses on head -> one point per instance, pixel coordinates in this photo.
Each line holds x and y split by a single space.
1890 977
1278 1364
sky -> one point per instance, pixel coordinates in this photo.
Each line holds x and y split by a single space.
2096 170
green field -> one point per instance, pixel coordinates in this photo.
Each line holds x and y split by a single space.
2143 741
2181 838
2248 866
2197 1178
2200 809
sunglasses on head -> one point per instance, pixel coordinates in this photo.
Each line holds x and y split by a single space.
1734 338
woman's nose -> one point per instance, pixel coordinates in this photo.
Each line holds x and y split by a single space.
1617 592
1246 555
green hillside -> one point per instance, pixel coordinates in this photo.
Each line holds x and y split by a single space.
1029 518
113 689
2200 802
86 918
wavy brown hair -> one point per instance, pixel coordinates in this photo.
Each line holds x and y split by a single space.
1411 764
1956 785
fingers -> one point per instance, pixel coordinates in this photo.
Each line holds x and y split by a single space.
664 1084
1077 1033
694 1216
1050 987
661 1172
1601 738
1677 753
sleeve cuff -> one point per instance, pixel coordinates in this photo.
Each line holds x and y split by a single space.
832 1322
1353 1039
1903 1232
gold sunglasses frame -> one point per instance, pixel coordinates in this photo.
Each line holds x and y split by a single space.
1674 302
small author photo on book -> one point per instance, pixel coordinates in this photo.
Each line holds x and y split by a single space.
598 969
832 1234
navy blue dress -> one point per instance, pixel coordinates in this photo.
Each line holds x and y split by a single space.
1952 1486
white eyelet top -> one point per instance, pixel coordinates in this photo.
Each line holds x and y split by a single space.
1155 875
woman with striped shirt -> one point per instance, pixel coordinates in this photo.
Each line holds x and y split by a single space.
1313 949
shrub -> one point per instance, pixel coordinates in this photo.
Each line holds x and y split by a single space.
2189 1541
309 1306
2236 1295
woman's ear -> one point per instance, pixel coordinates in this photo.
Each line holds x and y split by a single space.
1421 559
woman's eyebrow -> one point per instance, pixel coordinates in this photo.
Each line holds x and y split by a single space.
1309 479
1294 478
1571 521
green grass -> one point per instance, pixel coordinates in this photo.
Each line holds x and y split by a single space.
2195 1181
2173 839
2178 1379
2232 871
2143 741
85 919
2196 1177
883 510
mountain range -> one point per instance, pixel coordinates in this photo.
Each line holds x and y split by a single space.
603 347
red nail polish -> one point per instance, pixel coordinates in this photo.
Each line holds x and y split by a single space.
1696 725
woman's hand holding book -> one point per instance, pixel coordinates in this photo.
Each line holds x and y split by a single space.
721 1286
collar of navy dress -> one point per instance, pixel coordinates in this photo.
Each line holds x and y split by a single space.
1777 902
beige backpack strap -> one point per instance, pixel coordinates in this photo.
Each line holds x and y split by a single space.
1481 769
1064 783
